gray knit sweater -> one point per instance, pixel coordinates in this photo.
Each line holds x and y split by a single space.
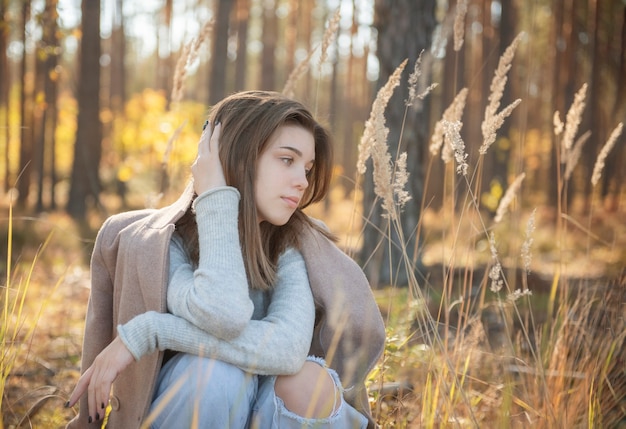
213 311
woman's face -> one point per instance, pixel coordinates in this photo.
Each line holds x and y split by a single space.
282 171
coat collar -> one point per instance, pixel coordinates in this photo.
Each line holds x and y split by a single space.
170 214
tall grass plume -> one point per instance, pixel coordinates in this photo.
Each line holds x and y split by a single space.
493 119
374 145
376 131
452 132
509 196
608 146
572 121
189 54
303 66
453 113
459 24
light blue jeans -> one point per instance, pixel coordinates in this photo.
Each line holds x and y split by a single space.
199 392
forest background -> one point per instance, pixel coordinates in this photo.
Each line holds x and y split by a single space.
102 104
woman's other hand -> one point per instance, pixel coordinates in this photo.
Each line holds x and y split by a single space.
99 377
207 169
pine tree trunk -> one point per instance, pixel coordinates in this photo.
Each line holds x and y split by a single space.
241 65
219 59
269 38
26 115
404 30
5 83
85 182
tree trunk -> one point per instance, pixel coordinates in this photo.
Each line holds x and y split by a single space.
85 182
269 38
164 57
5 83
291 39
118 52
594 119
404 30
26 115
47 60
348 114
219 59
560 43
618 111
241 66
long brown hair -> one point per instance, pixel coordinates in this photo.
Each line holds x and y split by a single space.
248 120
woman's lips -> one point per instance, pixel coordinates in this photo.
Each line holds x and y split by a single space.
292 201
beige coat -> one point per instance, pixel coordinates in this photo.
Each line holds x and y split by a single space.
129 269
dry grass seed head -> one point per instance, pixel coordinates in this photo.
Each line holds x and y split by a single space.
414 79
517 294
496 268
453 113
374 144
459 24
414 84
180 73
574 155
528 242
375 131
572 120
500 77
303 66
329 35
558 124
189 53
296 74
599 165
452 132
491 126
401 178
508 198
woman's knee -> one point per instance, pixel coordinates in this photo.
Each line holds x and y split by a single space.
310 393
214 381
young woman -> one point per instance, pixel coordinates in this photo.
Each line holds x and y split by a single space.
230 303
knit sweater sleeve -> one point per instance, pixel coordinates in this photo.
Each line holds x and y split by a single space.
276 344
214 296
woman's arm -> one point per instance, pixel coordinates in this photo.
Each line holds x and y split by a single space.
214 297
277 344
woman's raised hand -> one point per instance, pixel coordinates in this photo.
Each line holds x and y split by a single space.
207 169
99 377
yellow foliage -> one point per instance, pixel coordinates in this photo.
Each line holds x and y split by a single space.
490 200
65 133
140 138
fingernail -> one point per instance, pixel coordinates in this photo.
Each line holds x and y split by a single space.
97 416
102 405
89 420
205 125
67 404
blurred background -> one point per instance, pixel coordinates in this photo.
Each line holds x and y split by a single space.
86 107
102 103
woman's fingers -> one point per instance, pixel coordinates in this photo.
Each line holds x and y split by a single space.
99 378
215 138
207 169
205 138
81 387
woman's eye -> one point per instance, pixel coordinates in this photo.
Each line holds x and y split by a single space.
287 161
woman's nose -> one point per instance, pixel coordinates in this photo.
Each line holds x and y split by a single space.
301 180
